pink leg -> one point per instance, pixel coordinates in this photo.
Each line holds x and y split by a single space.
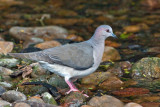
72 87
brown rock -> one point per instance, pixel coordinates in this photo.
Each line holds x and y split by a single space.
96 78
74 37
36 99
105 101
21 104
154 49
150 104
151 4
112 44
130 92
5 47
112 83
110 53
132 105
86 106
47 44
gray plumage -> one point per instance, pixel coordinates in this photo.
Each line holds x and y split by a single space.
78 55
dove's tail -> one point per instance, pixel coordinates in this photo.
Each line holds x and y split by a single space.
32 56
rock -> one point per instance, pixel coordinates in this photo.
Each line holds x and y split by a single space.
2 90
12 96
47 44
36 99
127 92
9 62
136 28
154 49
96 78
6 47
150 104
5 84
47 98
66 13
5 71
35 104
151 4
57 81
110 53
86 106
21 104
75 37
132 105
47 32
112 44
74 99
105 101
112 83
147 68
5 103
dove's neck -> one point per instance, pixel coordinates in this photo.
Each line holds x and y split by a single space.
97 40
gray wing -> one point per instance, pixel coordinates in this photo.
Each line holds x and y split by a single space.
78 56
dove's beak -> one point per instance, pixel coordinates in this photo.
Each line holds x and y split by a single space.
113 35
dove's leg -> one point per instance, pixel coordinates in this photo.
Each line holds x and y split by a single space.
71 85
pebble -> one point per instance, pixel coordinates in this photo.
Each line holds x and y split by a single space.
131 104
47 98
6 47
105 101
13 95
110 53
9 62
48 44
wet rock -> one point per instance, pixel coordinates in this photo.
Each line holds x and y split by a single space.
74 99
151 4
96 78
127 92
47 98
47 44
21 104
150 104
105 101
5 103
12 96
36 99
110 53
2 90
132 105
112 83
35 104
47 32
5 71
5 84
136 28
147 68
6 47
57 81
9 62
70 21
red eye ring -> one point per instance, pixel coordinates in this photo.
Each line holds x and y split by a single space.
107 30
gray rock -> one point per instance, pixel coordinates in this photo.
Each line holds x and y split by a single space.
2 90
105 101
9 62
48 31
5 84
131 104
47 98
13 95
5 71
146 69
4 103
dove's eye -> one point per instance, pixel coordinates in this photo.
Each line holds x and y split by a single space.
107 30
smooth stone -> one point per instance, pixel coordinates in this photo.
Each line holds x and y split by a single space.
6 84
21 104
2 90
147 68
110 53
105 101
13 95
9 62
6 47
50 32
47 98
5 103
47 44
5 71
131 104
36 99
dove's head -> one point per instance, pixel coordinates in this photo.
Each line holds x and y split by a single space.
104 31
